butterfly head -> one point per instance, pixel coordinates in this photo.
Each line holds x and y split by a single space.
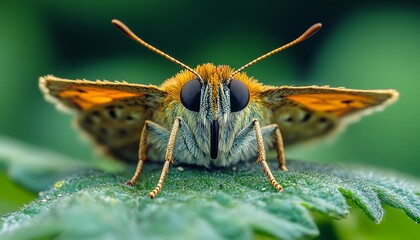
215 99
214 96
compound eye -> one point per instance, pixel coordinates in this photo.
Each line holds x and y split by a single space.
239 95
191 94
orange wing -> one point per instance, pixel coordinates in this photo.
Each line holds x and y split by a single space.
83 94
304 113
112 114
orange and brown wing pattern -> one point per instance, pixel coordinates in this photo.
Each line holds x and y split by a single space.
110 113
84 94
304 113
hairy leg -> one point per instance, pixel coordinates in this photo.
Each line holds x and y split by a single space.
168 158
142 153
261 155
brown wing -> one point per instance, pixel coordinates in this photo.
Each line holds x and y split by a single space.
110 113
304 113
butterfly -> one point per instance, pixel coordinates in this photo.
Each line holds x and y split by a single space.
208 116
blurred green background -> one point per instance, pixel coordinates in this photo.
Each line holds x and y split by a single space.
363 45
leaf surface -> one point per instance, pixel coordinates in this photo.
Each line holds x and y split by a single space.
197 203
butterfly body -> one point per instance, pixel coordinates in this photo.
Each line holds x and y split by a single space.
207 116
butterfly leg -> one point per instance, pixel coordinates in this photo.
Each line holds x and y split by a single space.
280 148
142 154
261 155
168 158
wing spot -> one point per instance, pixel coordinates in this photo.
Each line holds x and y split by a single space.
306 117
81 91
347 101
103 131
112 113
132 118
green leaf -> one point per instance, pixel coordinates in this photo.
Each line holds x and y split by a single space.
395 225
197 203
36 168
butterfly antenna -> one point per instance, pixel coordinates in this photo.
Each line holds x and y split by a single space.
313 29
121 26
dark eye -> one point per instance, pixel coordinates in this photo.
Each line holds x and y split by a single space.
239 95
190 95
